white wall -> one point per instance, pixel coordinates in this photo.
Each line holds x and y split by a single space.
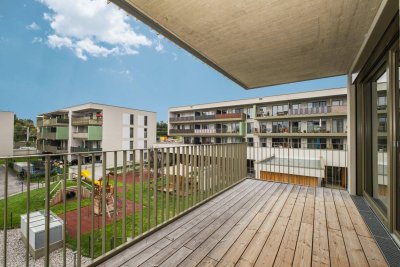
6 133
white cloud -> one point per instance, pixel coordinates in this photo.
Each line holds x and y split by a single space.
159 47
33 26
123 73
92 28
37 40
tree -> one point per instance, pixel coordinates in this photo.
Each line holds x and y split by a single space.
162 128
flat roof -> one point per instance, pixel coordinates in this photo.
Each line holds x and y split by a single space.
66 109
263 43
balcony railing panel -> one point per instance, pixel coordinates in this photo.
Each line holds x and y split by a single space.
104 200
52 122
87 121
219 117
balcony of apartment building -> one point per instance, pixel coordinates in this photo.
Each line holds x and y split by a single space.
92 118
52 146
53 133
298 112
217 117
52 121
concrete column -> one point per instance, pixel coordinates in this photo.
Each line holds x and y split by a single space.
351 136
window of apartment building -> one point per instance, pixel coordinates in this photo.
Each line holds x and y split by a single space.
382 123
131 157
316 126
145 144
280 109
145 132
130 144
235 127
280 126
263 142
337 102
250 127
295 106
316 143
296 127
131 132
145 156
295 143
263 127
145 120
382 102
132 119
250 113
280 142
317 104
337 143
337 126
250 141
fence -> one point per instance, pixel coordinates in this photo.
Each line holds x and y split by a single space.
151 188
307 163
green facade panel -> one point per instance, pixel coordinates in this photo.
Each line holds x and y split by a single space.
242 128
95 133
62 133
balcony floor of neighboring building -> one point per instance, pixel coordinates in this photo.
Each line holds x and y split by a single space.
262 224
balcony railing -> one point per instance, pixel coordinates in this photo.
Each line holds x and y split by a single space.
306 163
51 136
87 121
220 117
52 122
181 131
126 196
54 149
305 111
80 135
85 149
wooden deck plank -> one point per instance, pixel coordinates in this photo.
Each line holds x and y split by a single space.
157 236
337 249
288 245
374 255
358 222
246 213
271 246
303 253
234 253
207 262
332 221
233 206
253 250
263 224
320 255
222 247
351 241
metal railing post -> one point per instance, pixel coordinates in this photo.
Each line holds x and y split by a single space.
103 204
124 159
167 166
78 207
28 208
47 213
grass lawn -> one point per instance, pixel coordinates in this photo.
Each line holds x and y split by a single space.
17 206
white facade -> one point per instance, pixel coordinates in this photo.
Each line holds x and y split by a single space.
304 118
99 127
6 133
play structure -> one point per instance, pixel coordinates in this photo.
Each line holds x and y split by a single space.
97 190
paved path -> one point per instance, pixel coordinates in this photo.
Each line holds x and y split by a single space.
15 186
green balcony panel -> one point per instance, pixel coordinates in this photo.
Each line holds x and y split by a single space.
95 133
242 128
62 133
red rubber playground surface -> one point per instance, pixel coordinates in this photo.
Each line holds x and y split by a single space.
86 218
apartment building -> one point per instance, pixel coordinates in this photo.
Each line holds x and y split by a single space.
6 133
316 119
96 127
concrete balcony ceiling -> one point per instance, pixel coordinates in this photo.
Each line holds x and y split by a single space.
260 43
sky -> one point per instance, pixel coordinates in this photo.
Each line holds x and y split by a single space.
55 54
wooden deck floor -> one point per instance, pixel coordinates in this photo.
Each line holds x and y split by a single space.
260 223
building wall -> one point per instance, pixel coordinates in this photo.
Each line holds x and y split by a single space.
259 114
6 133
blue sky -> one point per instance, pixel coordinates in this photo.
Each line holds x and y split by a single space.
55 54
